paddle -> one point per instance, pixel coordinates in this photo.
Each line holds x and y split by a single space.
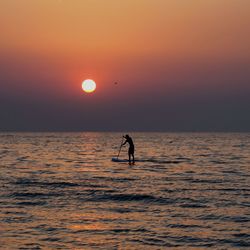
120 149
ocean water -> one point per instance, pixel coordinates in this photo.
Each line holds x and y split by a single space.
186 191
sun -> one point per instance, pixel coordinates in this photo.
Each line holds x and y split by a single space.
88 86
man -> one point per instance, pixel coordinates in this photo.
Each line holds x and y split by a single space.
131 149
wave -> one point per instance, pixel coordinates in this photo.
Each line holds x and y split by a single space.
34 195
126 198
31 203
28 182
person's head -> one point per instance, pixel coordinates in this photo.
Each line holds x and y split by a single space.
126 136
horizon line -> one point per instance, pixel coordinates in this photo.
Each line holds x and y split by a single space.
124 131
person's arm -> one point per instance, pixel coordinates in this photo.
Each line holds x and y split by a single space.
124 142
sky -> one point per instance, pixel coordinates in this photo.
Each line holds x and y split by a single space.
179 65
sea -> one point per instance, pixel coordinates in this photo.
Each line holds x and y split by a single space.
185 191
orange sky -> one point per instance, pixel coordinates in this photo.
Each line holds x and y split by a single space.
95 29
52 45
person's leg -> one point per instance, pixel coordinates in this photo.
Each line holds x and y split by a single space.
133 158
129 158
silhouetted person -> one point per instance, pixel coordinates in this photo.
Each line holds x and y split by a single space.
131 149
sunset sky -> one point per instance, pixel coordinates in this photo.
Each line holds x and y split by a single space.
179 65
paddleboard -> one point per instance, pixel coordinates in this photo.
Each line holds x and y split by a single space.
118 160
